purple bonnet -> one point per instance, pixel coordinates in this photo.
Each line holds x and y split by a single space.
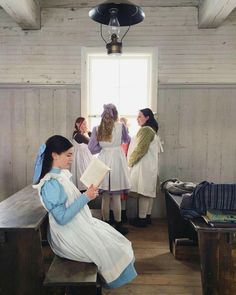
108 109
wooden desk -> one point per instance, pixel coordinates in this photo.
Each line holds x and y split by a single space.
177 226
217 248
21 259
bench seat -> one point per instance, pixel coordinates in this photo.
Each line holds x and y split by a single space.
73 275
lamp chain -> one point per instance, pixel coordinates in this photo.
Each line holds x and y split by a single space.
101 34
125 33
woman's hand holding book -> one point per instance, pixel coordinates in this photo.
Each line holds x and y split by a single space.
92 192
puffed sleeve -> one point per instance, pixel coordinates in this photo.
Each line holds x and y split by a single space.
54 198
144 137
93 144
80 138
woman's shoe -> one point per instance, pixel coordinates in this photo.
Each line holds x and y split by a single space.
120 228
139 222
111 217
123 216
148 219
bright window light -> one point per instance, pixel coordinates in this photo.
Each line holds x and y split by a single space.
128 81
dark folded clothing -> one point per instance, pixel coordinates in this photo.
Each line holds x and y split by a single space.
189 213
214 196
187 201
177 187
197 200
187 210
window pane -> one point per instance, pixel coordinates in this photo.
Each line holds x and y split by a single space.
132 99
133 72
123 81
104 78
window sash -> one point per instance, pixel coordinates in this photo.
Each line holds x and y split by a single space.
91 56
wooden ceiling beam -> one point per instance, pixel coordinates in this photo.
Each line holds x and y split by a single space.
91 3
25 12
212 13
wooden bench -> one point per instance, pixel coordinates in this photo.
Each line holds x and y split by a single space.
23 222
22 268
73 277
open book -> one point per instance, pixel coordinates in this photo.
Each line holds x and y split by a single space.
94 173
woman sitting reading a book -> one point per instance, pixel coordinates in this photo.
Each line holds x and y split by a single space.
73 232
106 139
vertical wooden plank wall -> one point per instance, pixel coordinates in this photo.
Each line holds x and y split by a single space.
197 125
28 116
196 122
6 175
18 144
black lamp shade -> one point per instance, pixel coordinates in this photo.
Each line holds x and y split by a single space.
128 14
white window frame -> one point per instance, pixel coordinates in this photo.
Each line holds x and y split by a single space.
86 52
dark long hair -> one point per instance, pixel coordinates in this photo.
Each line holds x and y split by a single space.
151 122
79 121
55 144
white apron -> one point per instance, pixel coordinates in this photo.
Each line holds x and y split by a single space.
113 156
144 174
81 159
85 238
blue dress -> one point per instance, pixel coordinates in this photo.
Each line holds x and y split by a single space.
76 235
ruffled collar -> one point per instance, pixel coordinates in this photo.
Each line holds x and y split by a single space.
56 173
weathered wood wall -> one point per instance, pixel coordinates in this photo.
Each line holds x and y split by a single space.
197 122
52 55
28 116
198 128
197 125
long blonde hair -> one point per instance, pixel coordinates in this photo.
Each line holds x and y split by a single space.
109 117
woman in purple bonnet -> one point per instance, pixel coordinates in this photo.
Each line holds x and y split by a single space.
106 139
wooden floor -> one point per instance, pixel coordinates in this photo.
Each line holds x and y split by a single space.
158 271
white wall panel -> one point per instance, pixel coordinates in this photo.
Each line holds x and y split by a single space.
52 55
18 136
197 123
6 144
28 116
197 126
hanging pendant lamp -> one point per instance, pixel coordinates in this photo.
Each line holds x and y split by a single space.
116 14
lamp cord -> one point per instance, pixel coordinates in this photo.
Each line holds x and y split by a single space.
101 34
